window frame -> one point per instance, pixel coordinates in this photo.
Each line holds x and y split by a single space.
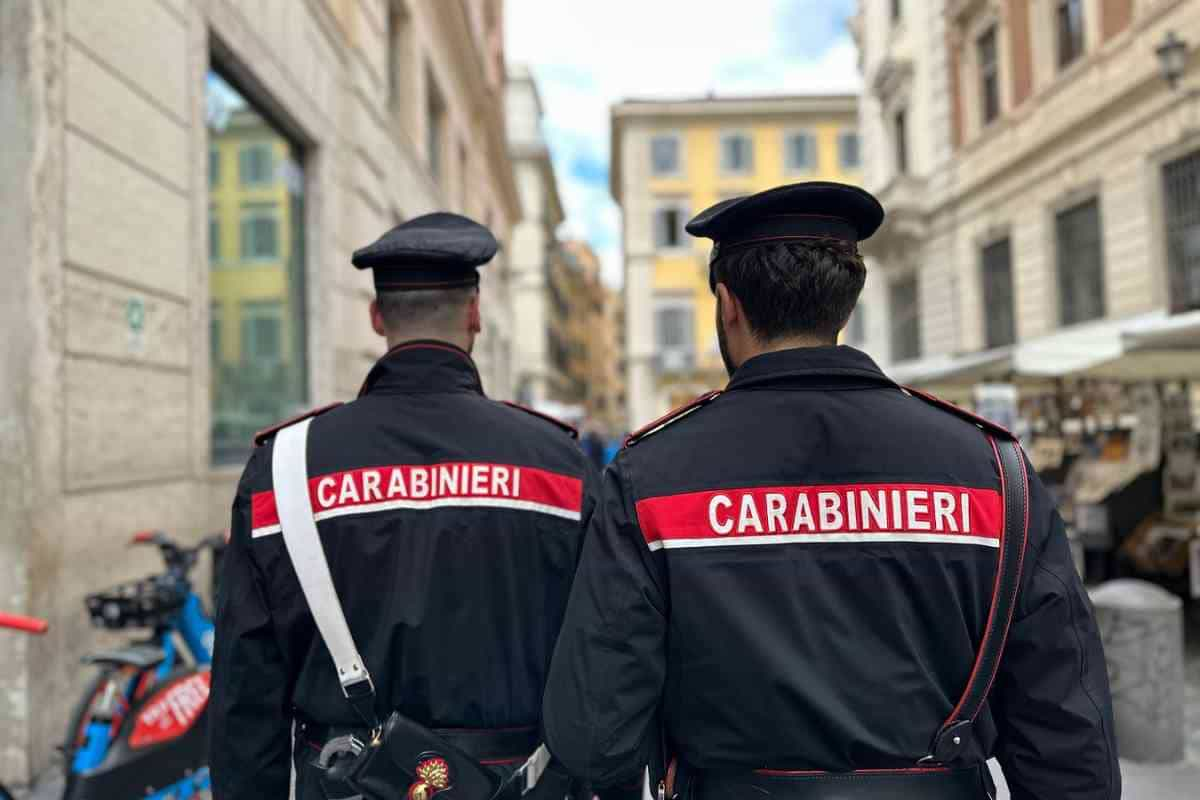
252 211
1076 204
676 301
1080 43
728 135
293 182
897 354
681 206
900 145
1182 295
250 146
214 167
253 311
813 163
678 172
214 235
988 72
842 136
985 285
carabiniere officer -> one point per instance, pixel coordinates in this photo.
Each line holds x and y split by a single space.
794 574
451 524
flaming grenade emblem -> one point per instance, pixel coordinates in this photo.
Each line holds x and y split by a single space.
433 776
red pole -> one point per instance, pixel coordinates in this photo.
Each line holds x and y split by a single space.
20 623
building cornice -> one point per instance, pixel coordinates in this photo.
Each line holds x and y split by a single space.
701 107
715 108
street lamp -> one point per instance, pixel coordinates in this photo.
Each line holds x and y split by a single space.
1172 58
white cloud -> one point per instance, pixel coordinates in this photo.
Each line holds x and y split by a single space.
587 56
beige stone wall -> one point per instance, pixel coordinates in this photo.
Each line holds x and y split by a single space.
1103 127
534 239
104 185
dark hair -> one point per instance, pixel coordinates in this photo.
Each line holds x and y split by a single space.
431 309
806 287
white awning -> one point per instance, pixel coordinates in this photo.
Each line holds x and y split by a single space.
944 373
1152 346
1159 349
1079 349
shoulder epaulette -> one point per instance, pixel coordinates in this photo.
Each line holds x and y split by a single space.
673 415
962 413
570 429
262 436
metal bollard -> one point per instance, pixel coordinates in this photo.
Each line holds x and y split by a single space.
1141 625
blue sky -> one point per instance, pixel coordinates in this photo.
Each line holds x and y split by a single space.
588 54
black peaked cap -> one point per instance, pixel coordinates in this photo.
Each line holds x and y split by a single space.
815 209
434 251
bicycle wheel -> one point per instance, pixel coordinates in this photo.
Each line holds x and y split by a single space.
81 715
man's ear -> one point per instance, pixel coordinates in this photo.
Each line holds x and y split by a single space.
474 320
377 319
731 309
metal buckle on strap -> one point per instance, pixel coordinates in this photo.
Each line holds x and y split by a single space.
358 685
360 693
348 745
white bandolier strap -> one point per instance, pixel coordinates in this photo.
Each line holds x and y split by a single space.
289 472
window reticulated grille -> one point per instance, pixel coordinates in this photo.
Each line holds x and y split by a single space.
1181 195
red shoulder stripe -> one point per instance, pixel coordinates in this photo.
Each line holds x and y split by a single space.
261 437
671 416
962 413
571 429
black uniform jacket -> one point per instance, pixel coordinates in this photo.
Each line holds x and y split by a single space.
452 527
800 572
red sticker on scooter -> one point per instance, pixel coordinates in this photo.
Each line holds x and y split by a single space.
172 711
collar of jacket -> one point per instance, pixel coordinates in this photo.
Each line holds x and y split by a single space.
423 365
810 367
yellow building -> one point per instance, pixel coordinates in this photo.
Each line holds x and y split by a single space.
671 160
257 284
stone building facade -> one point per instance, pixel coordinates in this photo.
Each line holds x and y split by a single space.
905 125
183 187
1048 201
541 378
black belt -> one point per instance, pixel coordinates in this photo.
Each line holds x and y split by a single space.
935 783
486 745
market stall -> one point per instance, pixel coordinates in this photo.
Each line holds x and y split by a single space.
1108 412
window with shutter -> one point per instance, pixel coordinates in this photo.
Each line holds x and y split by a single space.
801 152
664 155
